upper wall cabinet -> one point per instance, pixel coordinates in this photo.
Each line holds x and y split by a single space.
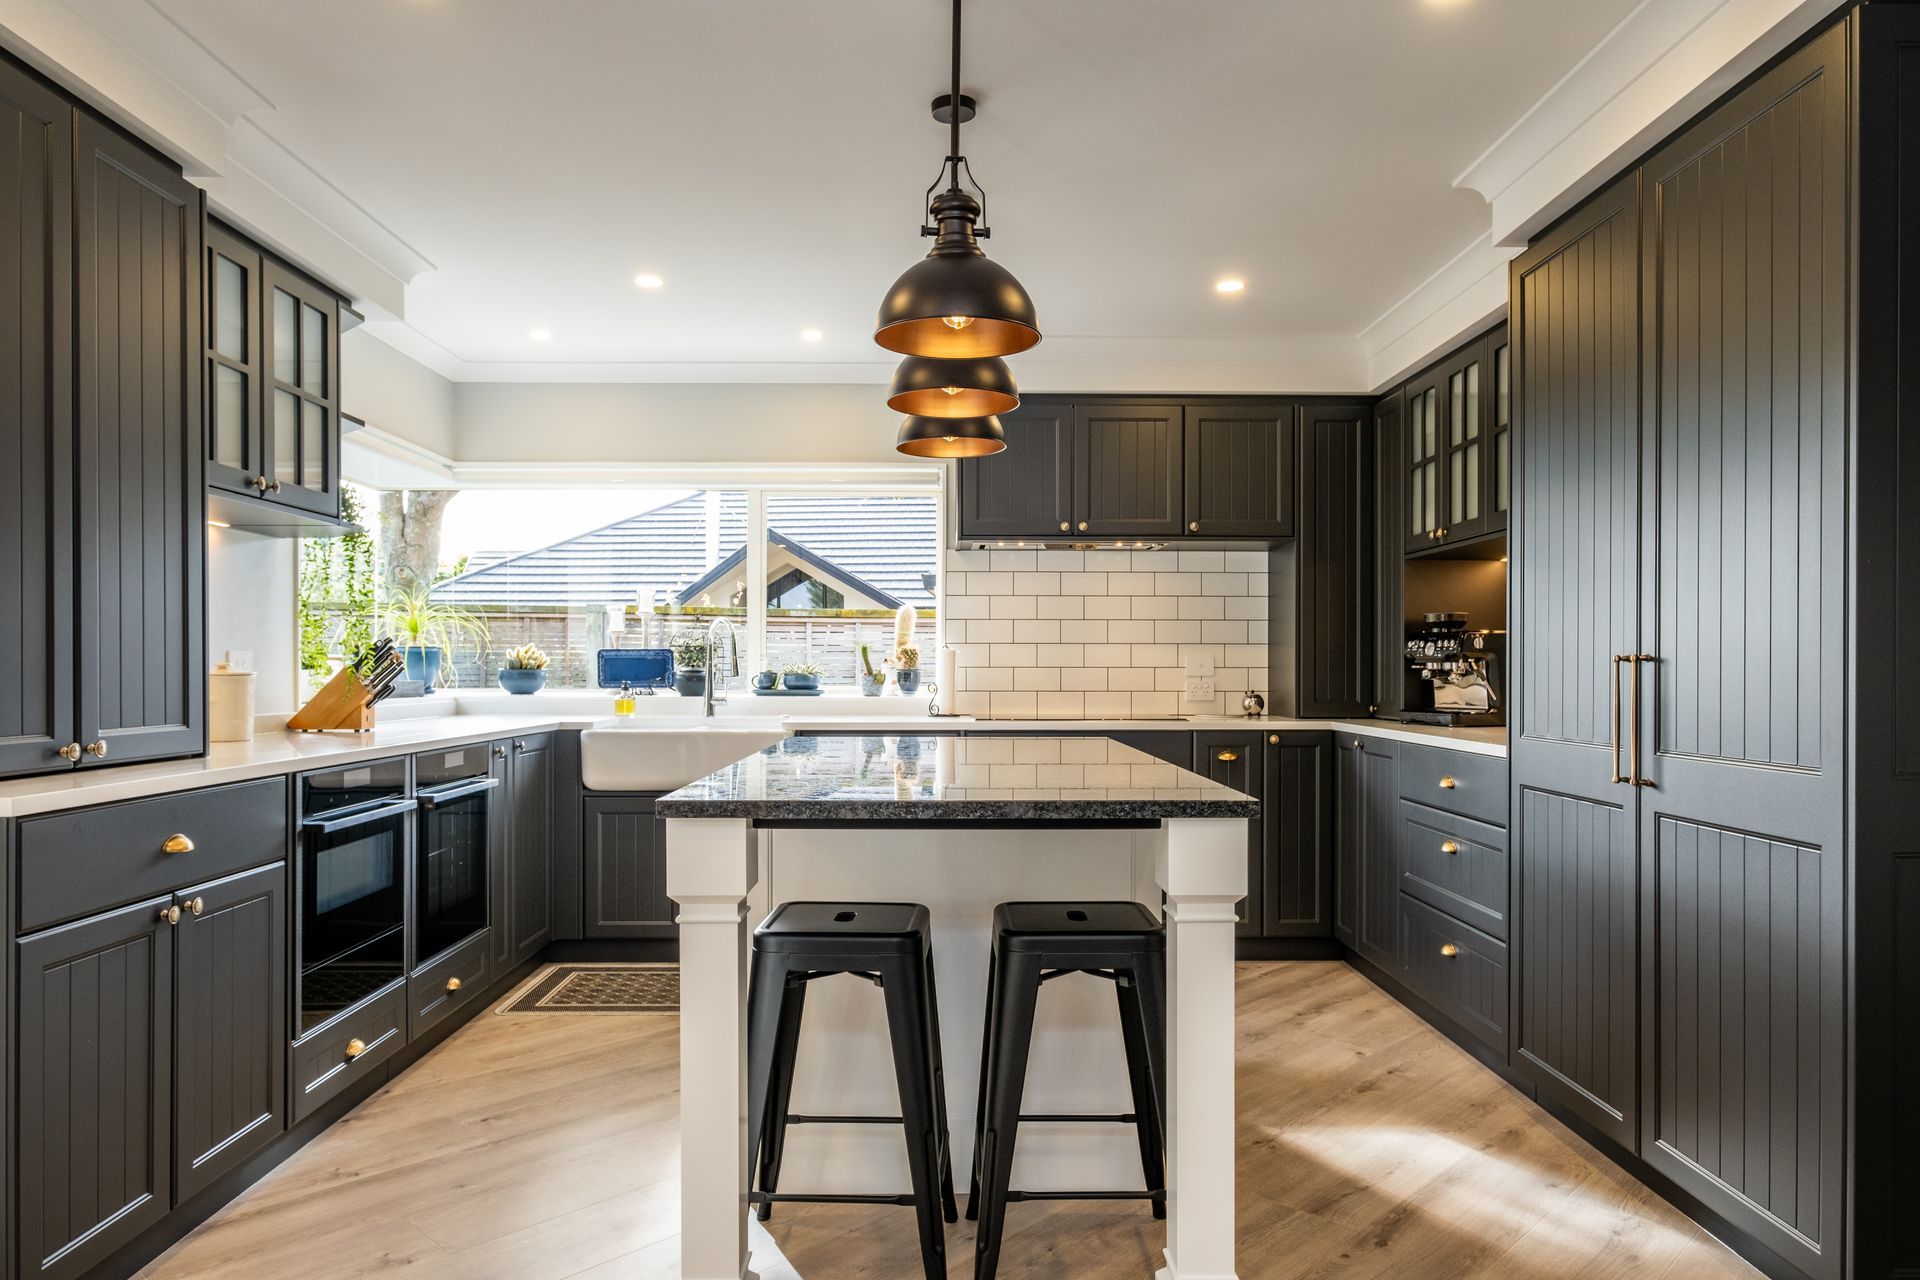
273 403
1458 440
1108 469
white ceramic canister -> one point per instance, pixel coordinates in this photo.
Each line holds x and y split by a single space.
229 704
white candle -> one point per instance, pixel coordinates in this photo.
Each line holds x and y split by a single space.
947 677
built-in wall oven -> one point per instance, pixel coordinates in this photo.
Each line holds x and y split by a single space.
455 789
351 915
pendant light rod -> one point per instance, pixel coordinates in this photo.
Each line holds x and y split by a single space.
953 145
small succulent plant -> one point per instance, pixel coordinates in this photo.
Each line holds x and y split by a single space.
690 653
907 658
528 657
802 669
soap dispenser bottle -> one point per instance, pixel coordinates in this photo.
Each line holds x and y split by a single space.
623 701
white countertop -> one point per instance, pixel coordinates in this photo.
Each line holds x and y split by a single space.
415 728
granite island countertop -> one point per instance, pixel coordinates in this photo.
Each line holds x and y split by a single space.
870 778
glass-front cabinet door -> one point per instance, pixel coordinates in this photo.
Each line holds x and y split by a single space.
1424 458
302 345
1466 452
1500 468
235 451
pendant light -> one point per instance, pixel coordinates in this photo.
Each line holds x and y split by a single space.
956 303
953 388
951 437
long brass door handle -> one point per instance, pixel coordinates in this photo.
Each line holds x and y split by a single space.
1636 661
1613 726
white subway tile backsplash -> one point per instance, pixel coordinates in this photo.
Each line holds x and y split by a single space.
1069 634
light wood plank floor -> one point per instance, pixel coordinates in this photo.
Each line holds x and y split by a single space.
545 1148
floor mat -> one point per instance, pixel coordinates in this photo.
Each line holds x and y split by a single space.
602 988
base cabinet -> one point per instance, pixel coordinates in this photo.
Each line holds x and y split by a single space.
626 869
1367 871
521 849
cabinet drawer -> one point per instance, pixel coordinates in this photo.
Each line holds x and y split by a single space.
1459 971
1461 782
326 1062
1456 865
450 983
91 860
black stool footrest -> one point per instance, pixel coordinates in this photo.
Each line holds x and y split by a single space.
1127 1118
1086 1195
844 1120
779 1197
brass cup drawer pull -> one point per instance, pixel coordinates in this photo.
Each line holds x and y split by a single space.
176 843
1448 783
355 1048
1448 950
1227 756
1449 846
453 984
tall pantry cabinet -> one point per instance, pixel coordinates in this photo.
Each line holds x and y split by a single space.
1717 880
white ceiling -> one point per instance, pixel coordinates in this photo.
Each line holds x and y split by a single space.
767 158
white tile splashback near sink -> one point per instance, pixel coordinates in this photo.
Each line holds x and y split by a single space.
1072 634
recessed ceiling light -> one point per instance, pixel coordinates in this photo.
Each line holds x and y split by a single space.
648 280
1231 284
539 335
811 335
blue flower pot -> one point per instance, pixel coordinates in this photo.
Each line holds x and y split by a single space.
423 664
800 682
523 680
908 679
690 684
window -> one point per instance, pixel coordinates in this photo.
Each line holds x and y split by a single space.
578 570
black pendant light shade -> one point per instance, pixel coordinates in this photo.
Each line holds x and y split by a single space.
953 388
951 437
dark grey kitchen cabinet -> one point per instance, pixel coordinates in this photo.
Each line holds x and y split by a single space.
500 857
1026 491
1127 460
1239 469
626 869
1422 461
140 509
1321 585
94 1155
1455 440
1366 862
36 428
236 444
1498 484
529 882
1574 590
230 1024
1389 584
1298 827
1744 461
1236 758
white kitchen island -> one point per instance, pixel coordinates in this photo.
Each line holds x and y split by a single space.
959 824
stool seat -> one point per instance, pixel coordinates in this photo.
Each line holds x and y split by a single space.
1076 926
833 928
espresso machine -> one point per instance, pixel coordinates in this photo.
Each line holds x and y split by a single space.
1457 673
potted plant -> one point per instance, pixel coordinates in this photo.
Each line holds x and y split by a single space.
871 681
526 670
906 661
800 675
425 630
690 666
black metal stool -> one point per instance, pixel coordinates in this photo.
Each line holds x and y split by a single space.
885 943
1034 943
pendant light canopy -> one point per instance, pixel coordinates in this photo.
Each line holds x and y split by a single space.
951 437
956 304
953 388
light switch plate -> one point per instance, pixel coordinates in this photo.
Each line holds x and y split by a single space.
1199 664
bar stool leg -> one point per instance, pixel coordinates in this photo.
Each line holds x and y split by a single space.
766 992
793 1004
1150 976
948 1208
980 1090
1019 991
1146 1105
904 981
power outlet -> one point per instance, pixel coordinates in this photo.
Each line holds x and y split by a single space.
1199 688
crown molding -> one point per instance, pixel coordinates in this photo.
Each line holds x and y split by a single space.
1461 299
1663 63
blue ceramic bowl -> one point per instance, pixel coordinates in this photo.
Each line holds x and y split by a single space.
800 682
523 680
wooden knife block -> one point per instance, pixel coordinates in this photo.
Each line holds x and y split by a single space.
344 704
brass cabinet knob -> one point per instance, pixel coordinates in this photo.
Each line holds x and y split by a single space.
170 915
1064 526
1229 755
260 483
1273 739
499 753
453 984
197 905
69 752
1448 950
1447 783
1193 526
355 1048
98 750
1357 744
1449 846
1083 526
176 843
274 487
